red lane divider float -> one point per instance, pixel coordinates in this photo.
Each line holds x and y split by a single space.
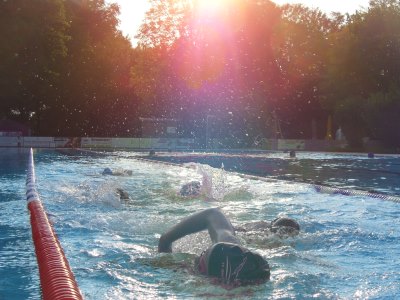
56 278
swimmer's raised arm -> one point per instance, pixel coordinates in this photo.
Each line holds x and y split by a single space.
226 259
219 228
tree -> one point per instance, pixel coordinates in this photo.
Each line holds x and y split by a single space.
217 62
164 23
364 72
34 39
66 68
381 114
301 45
95 97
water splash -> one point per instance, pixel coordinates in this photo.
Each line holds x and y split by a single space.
213 181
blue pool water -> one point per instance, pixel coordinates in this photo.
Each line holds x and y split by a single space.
348 247
354 171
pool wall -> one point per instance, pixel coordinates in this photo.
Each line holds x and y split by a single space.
172 144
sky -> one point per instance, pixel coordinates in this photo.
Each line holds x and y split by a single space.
131 15
133 11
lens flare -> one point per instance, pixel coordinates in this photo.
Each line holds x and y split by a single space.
207 7
204 58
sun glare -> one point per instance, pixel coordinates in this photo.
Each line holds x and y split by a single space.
207 7
212 23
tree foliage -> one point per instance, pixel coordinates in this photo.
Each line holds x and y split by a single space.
66 67
301 44
67 70
96 73
211 66
34 39
254 60
364 67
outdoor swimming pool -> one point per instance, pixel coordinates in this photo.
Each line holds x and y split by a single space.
348 247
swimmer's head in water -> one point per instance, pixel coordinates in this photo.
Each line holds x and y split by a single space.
123 195
190 189
107 171
233 263
285 226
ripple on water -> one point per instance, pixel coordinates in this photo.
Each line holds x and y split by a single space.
112 246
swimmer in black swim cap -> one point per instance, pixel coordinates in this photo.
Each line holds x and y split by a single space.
226 259
279 224
285 226
108 171
123 195
191 189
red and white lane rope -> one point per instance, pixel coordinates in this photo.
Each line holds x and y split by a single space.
56 278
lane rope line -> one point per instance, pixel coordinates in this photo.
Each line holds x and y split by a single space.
56 278
317 187
325 189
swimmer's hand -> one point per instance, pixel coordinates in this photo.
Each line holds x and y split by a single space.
164 246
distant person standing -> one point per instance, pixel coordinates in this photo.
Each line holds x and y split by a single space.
339 136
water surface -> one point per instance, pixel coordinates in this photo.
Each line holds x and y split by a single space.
348 247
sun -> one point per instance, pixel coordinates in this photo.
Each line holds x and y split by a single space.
210 7
210 4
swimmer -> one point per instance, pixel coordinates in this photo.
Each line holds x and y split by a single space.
123 195
282 226
108 171
191 189
225 259
196 189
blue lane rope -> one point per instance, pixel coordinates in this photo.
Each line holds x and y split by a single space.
352 192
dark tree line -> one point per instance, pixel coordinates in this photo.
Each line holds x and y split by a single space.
67 70
255 62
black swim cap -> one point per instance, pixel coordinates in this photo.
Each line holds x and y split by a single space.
285 225
232 263
107 171
190 189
